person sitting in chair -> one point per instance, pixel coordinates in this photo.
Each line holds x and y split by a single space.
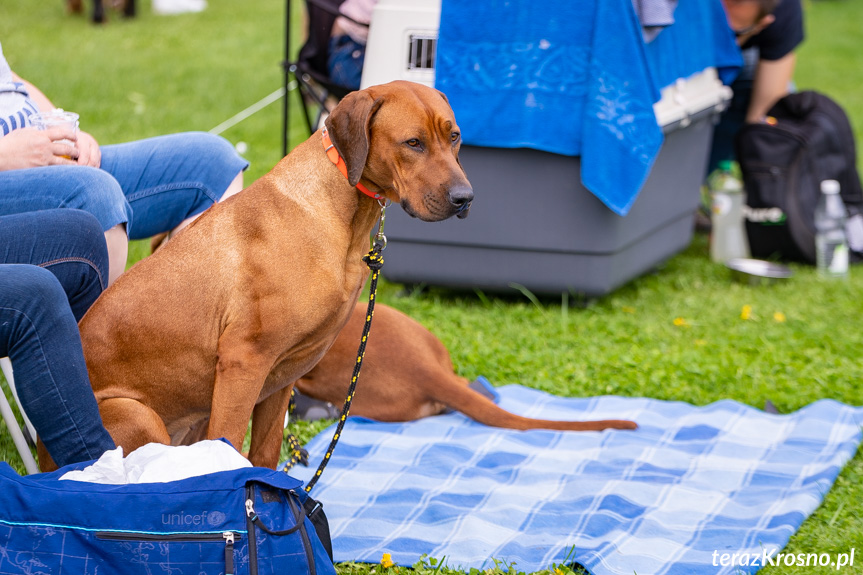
164 182
347 49
53 266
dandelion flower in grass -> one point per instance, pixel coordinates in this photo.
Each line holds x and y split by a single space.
387 560
680 322
779 316
746 312
628 309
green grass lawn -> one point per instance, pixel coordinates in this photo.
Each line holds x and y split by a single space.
152 75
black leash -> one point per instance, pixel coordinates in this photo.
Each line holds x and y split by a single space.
375 261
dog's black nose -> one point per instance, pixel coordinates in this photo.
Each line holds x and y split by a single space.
461 197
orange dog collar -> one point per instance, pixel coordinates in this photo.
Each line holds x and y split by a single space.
336 159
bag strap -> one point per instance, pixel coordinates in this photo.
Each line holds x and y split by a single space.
315 512
253 517
311 508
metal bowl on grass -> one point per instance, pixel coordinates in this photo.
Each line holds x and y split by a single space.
757 272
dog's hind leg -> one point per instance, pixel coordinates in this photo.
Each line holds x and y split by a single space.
44 458
267 425
132 424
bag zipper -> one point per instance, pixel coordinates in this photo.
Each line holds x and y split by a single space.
250 527
229 537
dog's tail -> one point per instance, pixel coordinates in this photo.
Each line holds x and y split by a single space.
480 408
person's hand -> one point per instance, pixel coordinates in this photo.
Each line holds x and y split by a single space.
32 148
89 153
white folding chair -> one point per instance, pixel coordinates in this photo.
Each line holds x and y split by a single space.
12 424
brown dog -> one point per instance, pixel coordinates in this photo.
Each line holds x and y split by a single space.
407 374
220 321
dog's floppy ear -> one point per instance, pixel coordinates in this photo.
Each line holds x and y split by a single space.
349 126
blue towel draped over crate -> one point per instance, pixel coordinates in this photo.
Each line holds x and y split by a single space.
691 481
571 78
700 38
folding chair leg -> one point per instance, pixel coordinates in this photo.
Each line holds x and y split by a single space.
6 368
310 93
12 424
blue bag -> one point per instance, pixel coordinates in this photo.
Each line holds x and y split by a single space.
250 521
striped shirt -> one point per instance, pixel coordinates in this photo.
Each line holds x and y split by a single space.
16 107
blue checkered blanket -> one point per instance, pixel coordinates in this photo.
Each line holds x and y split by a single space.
691 484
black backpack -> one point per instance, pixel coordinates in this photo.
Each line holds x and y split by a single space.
806 140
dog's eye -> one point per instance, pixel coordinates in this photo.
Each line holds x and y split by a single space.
413 143
455 136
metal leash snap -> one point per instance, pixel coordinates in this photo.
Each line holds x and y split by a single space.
380 238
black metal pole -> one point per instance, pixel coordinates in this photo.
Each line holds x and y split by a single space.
286 66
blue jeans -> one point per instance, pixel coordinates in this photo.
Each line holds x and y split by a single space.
151 185
345 61
733 118
53 265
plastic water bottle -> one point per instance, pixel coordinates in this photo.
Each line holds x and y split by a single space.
831 243
727 237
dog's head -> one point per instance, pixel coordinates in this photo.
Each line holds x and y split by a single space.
401 139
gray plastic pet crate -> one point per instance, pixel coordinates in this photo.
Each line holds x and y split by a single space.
533 223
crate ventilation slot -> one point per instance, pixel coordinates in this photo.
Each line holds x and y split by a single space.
421 51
